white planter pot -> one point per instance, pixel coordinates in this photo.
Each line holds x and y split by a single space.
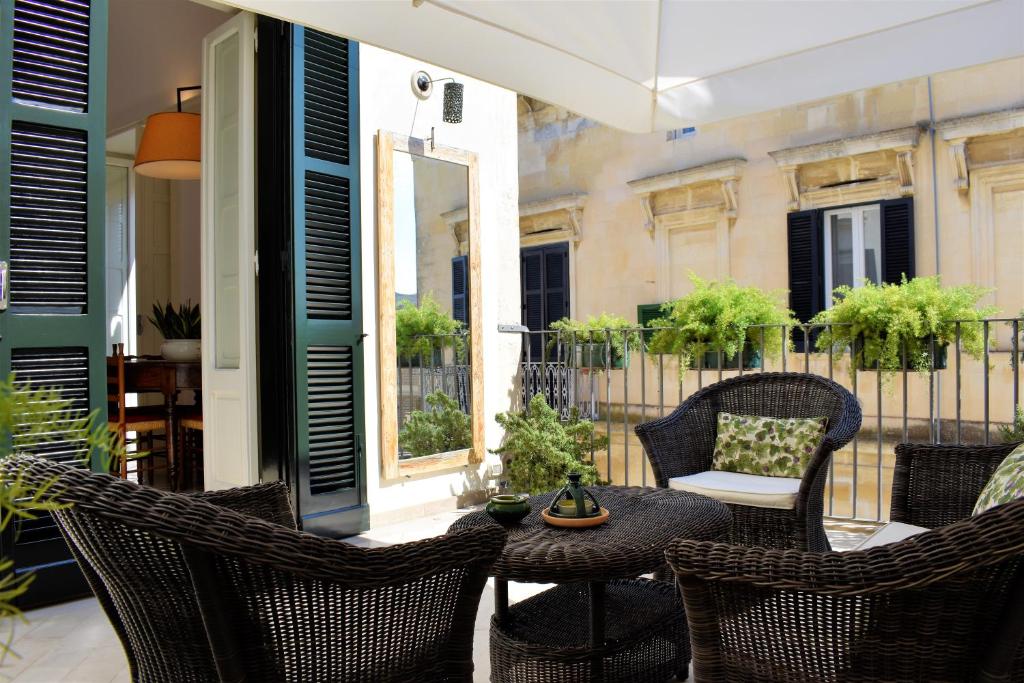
181 349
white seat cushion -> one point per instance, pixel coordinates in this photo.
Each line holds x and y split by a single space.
893 532
737 488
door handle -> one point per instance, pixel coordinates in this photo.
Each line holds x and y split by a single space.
5 286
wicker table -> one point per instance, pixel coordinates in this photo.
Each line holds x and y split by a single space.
601 622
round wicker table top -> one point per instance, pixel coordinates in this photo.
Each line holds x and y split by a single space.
641 524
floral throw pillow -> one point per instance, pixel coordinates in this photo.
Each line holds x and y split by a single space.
1006 484
767 446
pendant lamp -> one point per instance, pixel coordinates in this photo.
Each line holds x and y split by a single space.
170 147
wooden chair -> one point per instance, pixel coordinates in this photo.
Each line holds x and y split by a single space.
190 448
123 419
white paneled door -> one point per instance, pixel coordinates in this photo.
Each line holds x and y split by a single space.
228 255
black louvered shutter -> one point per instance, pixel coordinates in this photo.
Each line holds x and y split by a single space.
806 282
531 277
328 311
897 223
52 161
556 283
460 289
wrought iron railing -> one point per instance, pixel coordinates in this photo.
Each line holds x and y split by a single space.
960 400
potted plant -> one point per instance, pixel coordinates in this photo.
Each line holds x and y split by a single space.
541 450
719 320
909 324
31 417
441 428
421 331
593 338
181 329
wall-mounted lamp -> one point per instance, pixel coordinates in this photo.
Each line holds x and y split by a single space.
423 88
171 144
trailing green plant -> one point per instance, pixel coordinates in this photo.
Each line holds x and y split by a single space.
1014 432
879 322
181 323
720 317
441 428
29 418
542 450
422 329
603 330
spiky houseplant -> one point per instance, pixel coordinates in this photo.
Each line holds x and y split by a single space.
881 322
541 450
721 317
441 428
183 322
30 417
594 336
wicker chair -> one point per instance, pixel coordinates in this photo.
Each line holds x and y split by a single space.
945 605
683 442
200 592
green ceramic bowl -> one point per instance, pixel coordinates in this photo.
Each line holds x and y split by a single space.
508 508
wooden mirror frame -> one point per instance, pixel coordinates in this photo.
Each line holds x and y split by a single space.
391 467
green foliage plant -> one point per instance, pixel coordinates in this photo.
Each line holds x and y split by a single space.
30 417
441 428
878 321
541 450
419 330
603 330
720 316
183 322
1012 433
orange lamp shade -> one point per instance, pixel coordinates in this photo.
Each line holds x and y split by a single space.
170 147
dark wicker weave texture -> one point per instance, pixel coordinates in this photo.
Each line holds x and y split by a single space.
683 443
198 592
546 638
641 523
946 605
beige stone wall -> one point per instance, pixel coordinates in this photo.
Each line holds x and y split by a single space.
981 230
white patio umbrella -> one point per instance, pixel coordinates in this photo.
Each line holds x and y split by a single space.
645 65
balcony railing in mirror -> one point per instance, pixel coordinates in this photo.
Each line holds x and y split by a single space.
955 399
440 363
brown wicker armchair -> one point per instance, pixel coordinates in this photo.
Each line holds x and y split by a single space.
683 442
198 592
945 605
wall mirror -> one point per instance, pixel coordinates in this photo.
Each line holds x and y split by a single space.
431 393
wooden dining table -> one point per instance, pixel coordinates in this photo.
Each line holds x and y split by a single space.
167 377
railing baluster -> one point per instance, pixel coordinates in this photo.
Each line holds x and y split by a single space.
984 334
856 462
959 424
1015 364
643 403
608 396
905 390
661 384
625 405
878 460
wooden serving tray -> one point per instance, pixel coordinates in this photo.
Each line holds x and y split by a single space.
575 522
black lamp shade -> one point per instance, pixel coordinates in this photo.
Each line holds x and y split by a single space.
452 103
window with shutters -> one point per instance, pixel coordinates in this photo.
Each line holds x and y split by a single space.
545 290
847 245
852 246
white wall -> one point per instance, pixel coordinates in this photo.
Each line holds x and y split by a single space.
489 129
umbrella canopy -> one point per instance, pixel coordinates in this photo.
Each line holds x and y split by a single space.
643 65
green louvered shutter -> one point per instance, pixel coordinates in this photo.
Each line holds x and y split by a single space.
53 124
328 311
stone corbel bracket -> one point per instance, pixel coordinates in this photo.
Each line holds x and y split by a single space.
458 225
725 173
900 141
958 133
555 217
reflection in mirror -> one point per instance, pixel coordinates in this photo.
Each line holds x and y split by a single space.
432 306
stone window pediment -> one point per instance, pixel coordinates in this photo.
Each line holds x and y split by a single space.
557 219
708 189
983 140
850 170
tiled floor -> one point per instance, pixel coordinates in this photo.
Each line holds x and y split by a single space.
74 641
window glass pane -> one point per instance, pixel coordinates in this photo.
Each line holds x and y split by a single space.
841 227
872 244
227 311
